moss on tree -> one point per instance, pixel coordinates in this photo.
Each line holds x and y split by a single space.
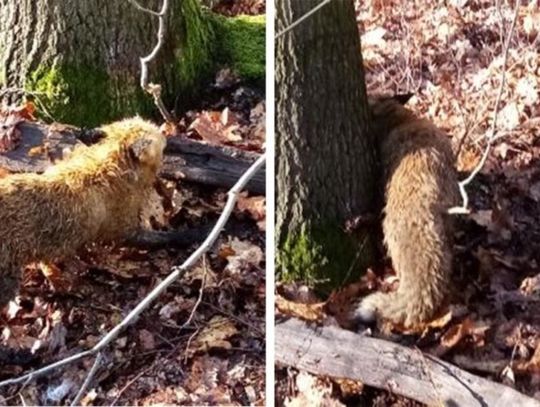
242 45
196 55
86 96
324 257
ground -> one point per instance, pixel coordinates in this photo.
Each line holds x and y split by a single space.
203 340
451 58
218 357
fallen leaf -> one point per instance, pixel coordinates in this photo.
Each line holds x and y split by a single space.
456 333
312 391
255 206
307 312
215 335
245 255
37 151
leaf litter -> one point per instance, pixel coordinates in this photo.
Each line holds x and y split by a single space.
449 56
218 358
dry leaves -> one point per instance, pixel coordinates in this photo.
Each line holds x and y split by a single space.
217 127
215 335
255 206
10 118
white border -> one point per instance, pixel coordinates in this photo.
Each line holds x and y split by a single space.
270 203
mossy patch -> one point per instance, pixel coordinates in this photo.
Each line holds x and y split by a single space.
196 54
324 257
241 44
85 96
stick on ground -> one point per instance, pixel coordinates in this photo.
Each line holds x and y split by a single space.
335 352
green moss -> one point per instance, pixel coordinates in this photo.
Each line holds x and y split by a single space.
85 96
324 257
195 57
242 44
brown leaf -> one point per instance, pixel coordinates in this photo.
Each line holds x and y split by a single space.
456 333
307 312
59 281
467 328
245 256
215 335
255 206
532 365
10 118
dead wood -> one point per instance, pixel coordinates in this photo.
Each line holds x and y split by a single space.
185 159
335 352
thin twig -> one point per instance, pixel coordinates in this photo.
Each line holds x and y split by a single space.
176 272
463 209
152 88
88 380
129 383
146 10
186 356
301 19
199 298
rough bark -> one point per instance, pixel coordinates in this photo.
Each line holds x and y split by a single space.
334 352
325 156
80 59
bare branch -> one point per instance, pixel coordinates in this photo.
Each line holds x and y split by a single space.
152 88
176 272
463 209
146 10
301 19
88 380
199 298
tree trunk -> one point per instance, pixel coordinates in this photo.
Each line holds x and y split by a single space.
325 166
80 59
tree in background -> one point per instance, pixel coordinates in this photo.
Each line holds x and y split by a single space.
325 156
81 58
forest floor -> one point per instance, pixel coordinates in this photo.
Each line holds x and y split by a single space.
451 57
219 356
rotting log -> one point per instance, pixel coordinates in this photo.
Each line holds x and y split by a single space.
335 352
211 165
185 159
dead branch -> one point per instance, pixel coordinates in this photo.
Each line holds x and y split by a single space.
210 165
335 352
185 159
152 88
463 209
176 272
302 18
88 379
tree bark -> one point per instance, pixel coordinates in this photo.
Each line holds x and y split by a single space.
79 60
325 166
334 352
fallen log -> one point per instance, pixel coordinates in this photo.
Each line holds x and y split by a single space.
335 352
212 165
185 159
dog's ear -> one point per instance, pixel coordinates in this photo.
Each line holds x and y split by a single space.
403 98
140 149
